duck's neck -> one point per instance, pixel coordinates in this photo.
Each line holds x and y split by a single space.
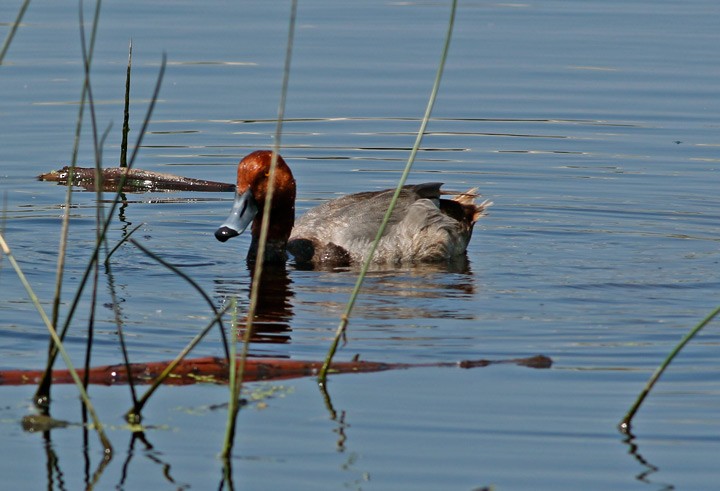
274 251
280 227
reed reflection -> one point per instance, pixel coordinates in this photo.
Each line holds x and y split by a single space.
648 468
151 454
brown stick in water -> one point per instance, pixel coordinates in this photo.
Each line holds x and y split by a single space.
137 180
215 370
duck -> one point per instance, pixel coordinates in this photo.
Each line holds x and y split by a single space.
423 227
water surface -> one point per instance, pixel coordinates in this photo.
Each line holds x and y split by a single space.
592 126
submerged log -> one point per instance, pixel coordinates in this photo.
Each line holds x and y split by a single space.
215 370
137 180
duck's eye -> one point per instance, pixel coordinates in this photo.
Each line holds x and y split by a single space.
267 174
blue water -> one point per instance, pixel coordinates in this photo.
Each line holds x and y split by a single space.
593 126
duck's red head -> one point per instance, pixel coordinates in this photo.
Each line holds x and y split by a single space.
252 186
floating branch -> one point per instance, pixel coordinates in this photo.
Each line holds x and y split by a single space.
136 180
215 370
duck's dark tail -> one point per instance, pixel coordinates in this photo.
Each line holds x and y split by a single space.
473 210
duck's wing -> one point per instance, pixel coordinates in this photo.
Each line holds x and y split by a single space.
359 215
341 230
428 229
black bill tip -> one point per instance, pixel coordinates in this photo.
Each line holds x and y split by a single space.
224 233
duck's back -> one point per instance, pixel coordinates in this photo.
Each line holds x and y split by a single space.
422 228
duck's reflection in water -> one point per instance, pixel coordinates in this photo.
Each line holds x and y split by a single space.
274 308
404 292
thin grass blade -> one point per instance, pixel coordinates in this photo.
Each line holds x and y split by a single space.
126 112
257 275
58 344
42 393
133 416
13 29
624 425
345 317
194 284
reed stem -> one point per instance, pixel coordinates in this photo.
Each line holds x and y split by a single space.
13 29
119 324
194 284
257 275
345 317
59 346
42 394
233 386
126 112
624 425
133 416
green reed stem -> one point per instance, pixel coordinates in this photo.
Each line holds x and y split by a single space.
108 255
59 346
119 194
264 226
146 121
42 393
133 416
345 317
625 423
120 329
126 112
13 30
113 206
233 406
99 218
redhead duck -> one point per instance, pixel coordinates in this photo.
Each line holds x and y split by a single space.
422 228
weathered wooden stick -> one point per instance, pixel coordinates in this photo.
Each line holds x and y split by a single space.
215 370
137 180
